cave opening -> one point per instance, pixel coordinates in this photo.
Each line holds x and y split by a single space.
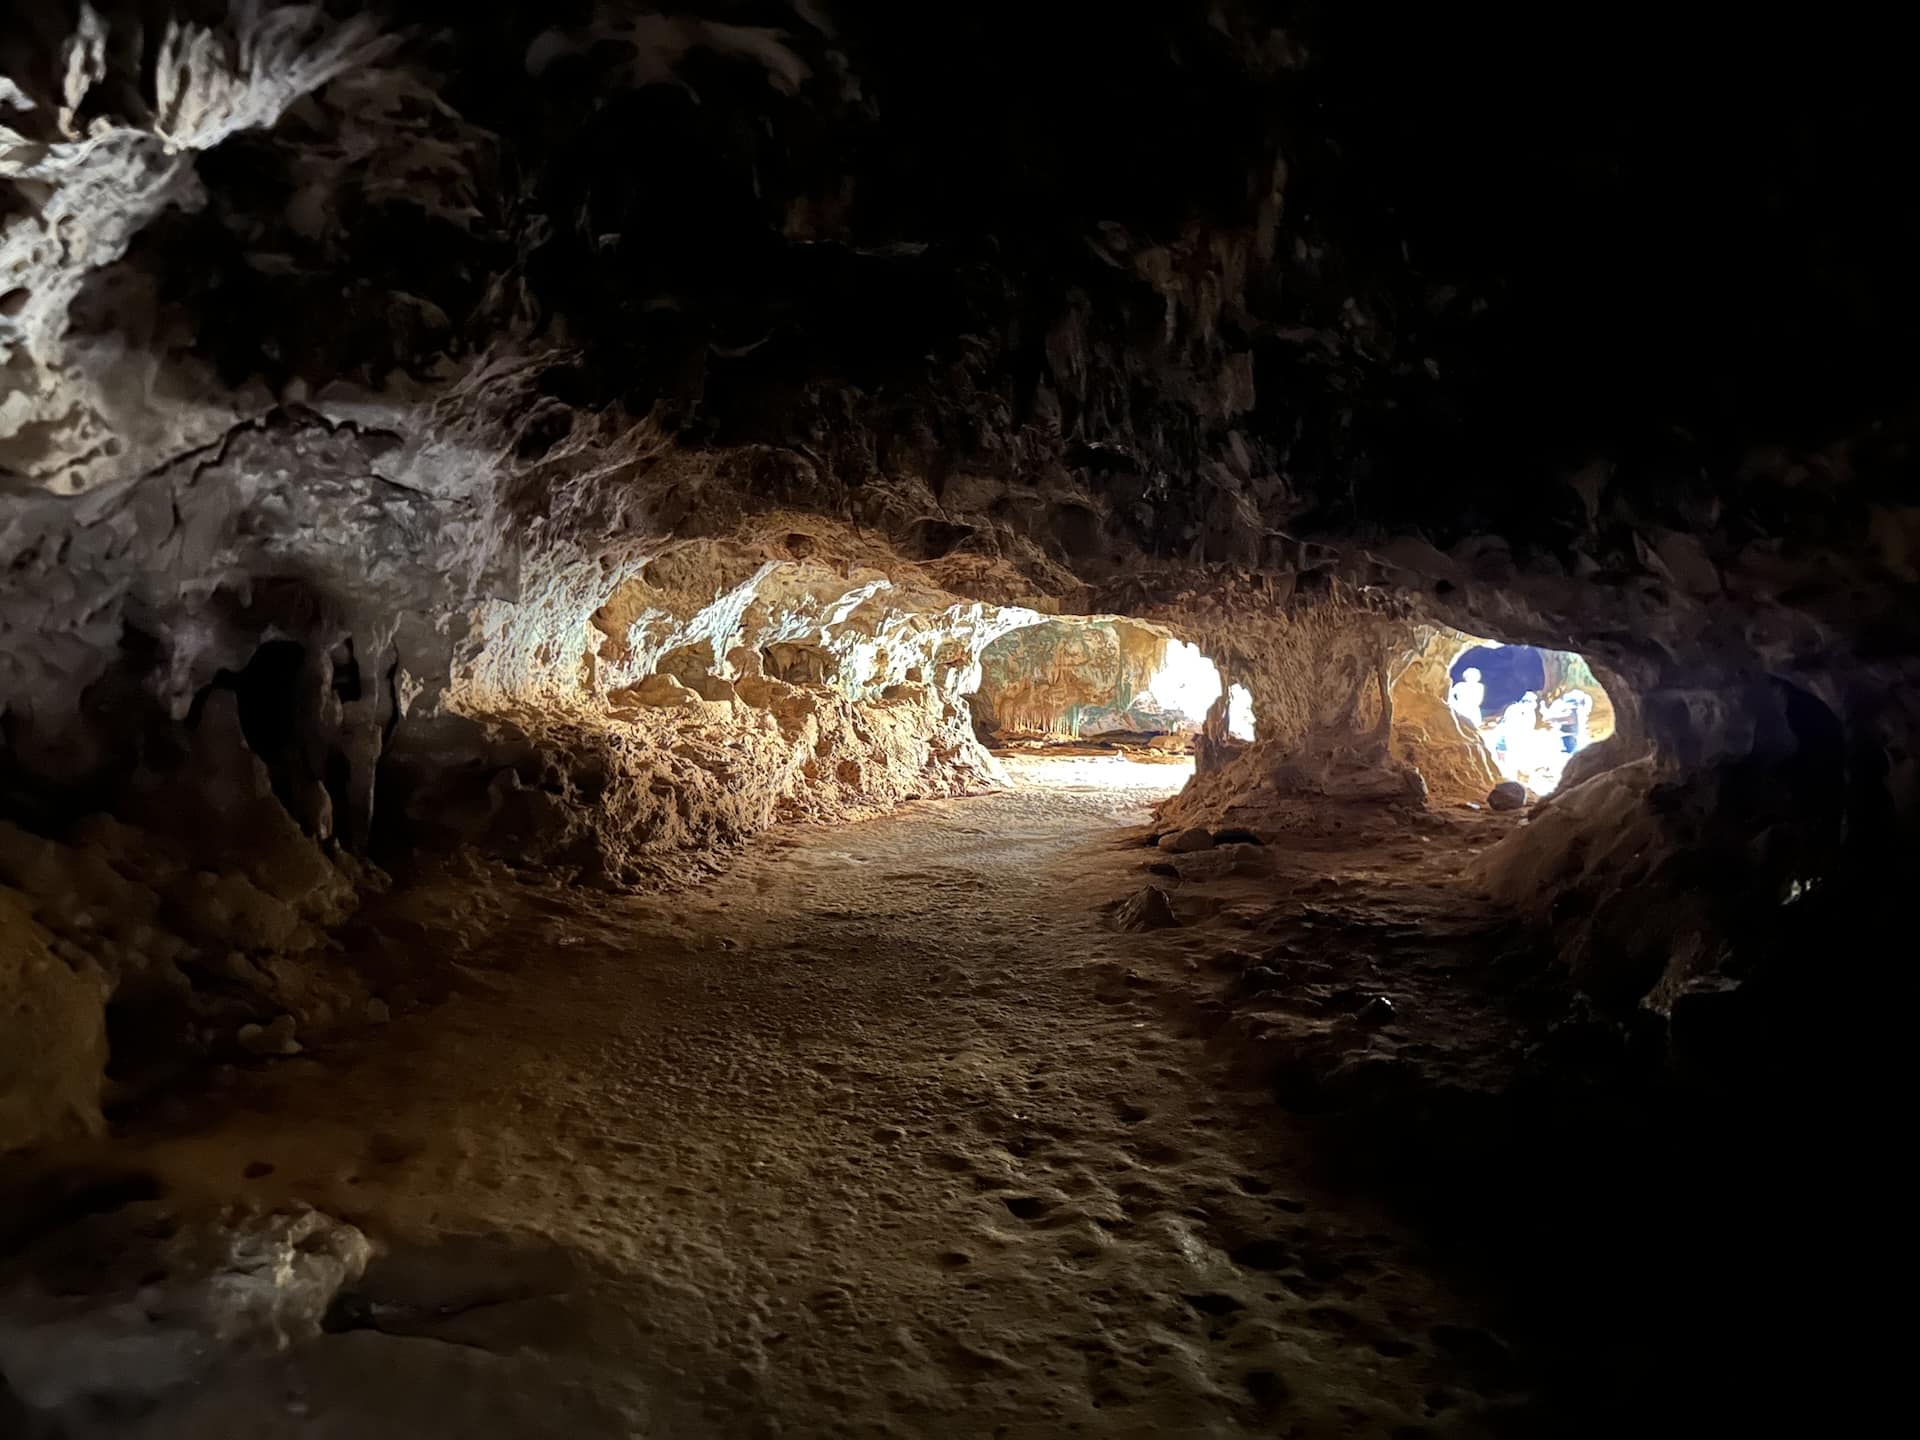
1100 696
1533 709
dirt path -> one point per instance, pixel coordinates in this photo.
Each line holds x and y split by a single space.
883 1133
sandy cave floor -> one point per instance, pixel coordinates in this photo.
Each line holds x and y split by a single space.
887 1131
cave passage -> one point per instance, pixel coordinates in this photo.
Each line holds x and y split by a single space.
1103 679
870 720
870 1132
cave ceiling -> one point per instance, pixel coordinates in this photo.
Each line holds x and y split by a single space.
1570 338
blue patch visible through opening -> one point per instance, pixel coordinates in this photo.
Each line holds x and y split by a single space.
1508 672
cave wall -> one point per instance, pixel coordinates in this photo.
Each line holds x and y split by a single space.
1098 373
54 1019
232 679
1073 678
1451 758
661 709
1318 666
425 341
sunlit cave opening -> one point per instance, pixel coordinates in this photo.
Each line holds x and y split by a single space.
1106 691
1533 709
1184 687
1240 724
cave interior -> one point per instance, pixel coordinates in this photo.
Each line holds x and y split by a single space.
746 718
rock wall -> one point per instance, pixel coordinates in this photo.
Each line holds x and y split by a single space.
1708 891
54 1019
233 679
440 388
1452 759
1069 679
645 714
1318 666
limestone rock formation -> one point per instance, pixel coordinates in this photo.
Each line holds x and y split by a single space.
56 1052
589 437
1073 679
113 1312
1426 732
552 445
1150 909
1183 842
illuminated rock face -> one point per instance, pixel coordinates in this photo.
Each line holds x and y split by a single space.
649 714
1426 731
594 439
1087 678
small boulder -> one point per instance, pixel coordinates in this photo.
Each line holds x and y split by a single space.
1183 842
1378 1011
276 1038
1148 910
1507 795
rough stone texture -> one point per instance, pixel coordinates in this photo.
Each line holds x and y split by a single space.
1183 842
1427 734
1658 884
56 1043
1318 670
205 909
113 1311
1223 861
1073 679
363 372
1507 795
88 409
1150 909
674 704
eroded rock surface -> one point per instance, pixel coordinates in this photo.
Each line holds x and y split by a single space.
56 1049
576 439
117 1311
1150 909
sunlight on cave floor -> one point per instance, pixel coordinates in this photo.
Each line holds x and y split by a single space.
1148 779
